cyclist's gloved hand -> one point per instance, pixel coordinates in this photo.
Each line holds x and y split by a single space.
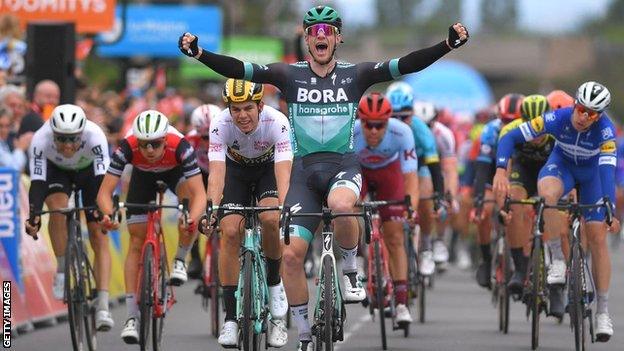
32 228
442 213
189 44
458 36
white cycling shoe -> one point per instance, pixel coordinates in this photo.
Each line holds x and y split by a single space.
556 272
104 321
426 266
178 273
403 314
353 294
58 287
278 303
229 334
604 327
130 332
279 334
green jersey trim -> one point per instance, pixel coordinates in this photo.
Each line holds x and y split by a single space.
394 68
248 71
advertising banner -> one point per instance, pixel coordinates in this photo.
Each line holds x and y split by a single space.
9 219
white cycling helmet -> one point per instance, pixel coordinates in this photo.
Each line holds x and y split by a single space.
594 96
424 110
68 119
150 125
202 115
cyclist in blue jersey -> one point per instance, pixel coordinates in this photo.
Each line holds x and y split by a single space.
385 148
585 156
509 109
430 177
322 97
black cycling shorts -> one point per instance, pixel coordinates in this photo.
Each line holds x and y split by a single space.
525 174
312 178
60 181
241 180
142 189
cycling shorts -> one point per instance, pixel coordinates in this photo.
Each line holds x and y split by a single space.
60 181
241 180
468 176
586 178
388 184
312 178
142 189
525 174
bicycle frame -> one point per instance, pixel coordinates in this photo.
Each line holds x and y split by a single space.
376 236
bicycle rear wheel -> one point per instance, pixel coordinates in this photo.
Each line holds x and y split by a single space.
247 322
146 304
537 263
576 299
379 292
161 298
324 335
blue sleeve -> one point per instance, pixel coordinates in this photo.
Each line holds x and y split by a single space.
425 137
488 144
506 146
409 160
607 161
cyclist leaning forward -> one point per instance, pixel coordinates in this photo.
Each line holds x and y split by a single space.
250 142
584 155
68 150
157 151
322 97
386 151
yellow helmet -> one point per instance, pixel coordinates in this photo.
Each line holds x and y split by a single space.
238 90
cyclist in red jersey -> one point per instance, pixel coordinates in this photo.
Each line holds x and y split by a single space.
157 151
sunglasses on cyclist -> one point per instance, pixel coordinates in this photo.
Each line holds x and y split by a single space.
66 139
375 125
591 114
327 29
155 144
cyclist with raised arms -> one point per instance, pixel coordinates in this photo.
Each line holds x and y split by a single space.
430 177
67 150
322 97
250 142
157 152
584 155
527 160
385 148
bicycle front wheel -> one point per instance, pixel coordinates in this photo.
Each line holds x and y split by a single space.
379 287
537 263
247 322
147 298
213 285
162 297
503 290
325 334
576 299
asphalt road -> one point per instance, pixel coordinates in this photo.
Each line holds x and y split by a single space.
460 316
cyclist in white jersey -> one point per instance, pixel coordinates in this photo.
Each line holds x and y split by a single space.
68 150
445 142
251 143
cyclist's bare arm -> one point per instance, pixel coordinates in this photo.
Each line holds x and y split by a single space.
105 195
216 181
282 179
198 197
411 187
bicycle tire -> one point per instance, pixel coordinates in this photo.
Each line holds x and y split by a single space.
505 298
379 292
147 299
158 323
89 293
412 271
422 296
576 299
537 260
247 328
214 290
325 337
72 295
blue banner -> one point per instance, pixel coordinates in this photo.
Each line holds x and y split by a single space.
10 219
451 84
153 30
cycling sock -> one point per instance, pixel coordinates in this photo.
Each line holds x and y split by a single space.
519 259
102 300
554 245
349 263
229 302
426 242
60 264
195 251
299 314
486 253
601 302
182 252
400 291
273 268
131 306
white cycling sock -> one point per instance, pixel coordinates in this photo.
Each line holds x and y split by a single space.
182 252
131 306
299 314
349 262
602 300
554 245
60 264
102 300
